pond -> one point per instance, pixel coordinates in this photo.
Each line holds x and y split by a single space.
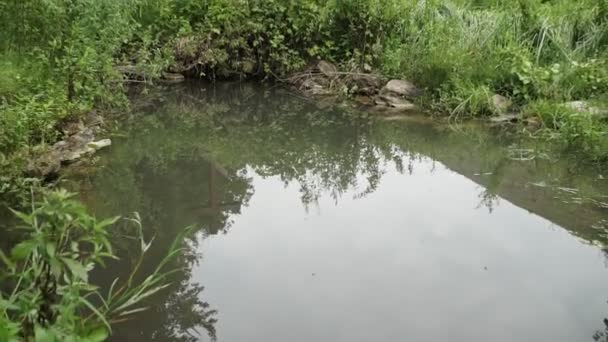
313 223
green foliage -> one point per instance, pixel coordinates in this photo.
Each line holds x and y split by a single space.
57 57
529 51
226 37
46 294
583 131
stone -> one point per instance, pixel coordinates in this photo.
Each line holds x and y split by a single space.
402 88
364 83
172 77
500 104
326 68
505 118
45 165
364 100
394 101
98 145
72 127
312 86
586 107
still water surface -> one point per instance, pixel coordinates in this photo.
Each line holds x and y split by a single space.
314 226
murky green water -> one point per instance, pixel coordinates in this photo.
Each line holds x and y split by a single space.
313 226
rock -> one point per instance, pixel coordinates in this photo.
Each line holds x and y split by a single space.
500 104
364 100
396 118
75 152
78 145
311 86
366 84
72 127
586 107
98 145
45 165
327 68
505 118
172 77
393 101
92 119
401 88
69 150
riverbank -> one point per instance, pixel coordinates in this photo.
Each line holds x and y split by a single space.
540 64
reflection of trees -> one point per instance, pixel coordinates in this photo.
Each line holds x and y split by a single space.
180 316
602 335
171 187
187 165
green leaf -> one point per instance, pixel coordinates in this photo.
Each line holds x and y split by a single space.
27 219
56 268
6 260
50 249
107 222
97 313
43 335
98 335
23 249
77 269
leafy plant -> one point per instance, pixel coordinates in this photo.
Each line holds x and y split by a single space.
46 292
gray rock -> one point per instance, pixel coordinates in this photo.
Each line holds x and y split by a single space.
327 68
401 88
500 104
98 145
364 83
505 118
45 165
68 150
172 77
312 86
586 107
393 101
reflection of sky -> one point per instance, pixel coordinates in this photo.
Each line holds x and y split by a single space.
406 263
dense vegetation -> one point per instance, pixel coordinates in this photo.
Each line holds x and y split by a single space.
59 58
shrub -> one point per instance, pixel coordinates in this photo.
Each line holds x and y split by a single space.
46 294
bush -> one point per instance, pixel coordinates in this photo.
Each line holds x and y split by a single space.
46 294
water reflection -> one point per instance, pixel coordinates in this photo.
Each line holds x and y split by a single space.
197 155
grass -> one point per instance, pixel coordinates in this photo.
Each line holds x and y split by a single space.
462 52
